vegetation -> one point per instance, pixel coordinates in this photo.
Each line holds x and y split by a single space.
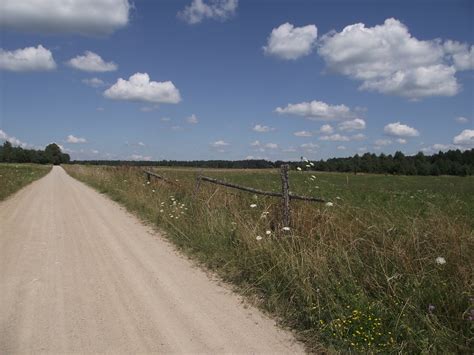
453 162
50 155
14 176
386 268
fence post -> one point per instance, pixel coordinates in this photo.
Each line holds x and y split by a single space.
147 177
285 189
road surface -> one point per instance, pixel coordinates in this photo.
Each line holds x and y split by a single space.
80 274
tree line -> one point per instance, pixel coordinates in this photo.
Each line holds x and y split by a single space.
452 162
50 155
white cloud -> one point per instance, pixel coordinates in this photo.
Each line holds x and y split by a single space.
400 130
352 125
255 143
94 82
335 138
462 120
200 10
192 119
75 140
462 55
89 17
326 129
219 144
262 129
27 59
317 110
303 134
271 146
91 62
13 140
141 144
289 42
387 59
382 142
465 138
341 147
140 157
309 146
358 137
139 88
165 119
401 140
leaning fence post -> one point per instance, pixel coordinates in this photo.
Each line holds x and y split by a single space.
285 189
147 176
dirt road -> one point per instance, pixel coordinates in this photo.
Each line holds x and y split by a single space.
79 274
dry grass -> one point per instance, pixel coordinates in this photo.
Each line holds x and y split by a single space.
14 176
361 275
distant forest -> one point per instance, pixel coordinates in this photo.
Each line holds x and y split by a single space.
452 162
50 155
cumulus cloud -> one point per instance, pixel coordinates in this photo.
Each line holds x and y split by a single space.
309 146
401 140
74 140
91 62
388 59
13 140
462 120
255 143
317 110
219 144
326 129
358 137
303 134
335 138
27 59
289 42
200 10
94 82
192 119
87 17
400 130
352 125
382 142
262 129
139 88
465 138
462 55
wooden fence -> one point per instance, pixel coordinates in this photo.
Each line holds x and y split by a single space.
285 193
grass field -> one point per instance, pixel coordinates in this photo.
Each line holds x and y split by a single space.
14 176
387 268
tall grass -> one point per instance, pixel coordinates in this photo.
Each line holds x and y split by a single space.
359 276
14 176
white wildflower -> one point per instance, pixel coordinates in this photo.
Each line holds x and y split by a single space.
258 237
329 204
286 229
440 260
153 191
338 198
148 183
268 232
298 168
253 205
161 211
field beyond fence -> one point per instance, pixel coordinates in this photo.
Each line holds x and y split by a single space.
386 265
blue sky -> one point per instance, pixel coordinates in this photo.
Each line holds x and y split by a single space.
228 79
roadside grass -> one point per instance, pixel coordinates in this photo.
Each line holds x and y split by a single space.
363 275
14 176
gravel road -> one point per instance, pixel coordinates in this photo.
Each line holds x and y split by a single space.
80 274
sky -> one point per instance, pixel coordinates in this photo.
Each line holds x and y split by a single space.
237 79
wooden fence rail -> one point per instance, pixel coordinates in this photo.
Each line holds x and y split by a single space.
285 193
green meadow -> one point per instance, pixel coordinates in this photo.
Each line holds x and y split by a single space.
386 266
